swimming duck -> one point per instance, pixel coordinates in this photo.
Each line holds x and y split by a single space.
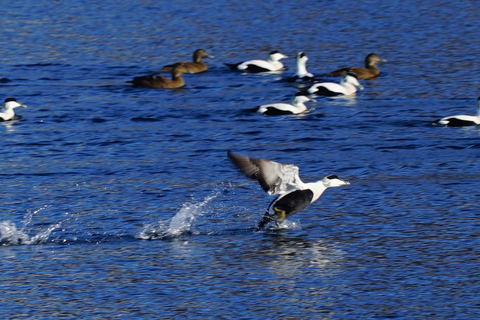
255 66
296 107
159 82
192 67
302 73
283 180
7 113
370 71
348 86
461 120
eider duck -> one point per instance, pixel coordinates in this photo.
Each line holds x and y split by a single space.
302 73
370 70
192 67
7 113
159 82
297 106
283 180
348 86
461 120
255 66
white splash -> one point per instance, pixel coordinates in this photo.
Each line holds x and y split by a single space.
10 235
183 222
284 225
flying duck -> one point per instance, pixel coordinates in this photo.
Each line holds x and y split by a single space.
159 82
302 73
192 67
7 113
370 71
461 120
255 66
348 86
275 109
283 180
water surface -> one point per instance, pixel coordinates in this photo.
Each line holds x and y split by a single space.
120 202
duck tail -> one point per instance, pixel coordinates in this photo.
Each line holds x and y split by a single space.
232 66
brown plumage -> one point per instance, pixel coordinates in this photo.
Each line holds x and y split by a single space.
159 82
370 70
192 67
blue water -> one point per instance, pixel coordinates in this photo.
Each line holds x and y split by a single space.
120 202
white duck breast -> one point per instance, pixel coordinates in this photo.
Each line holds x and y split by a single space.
7 113
272 64
283 180
461 120
347 86
302 73
297 106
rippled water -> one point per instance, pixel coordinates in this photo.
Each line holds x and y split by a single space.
120 202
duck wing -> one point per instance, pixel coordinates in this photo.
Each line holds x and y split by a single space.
169 67
147 81
274 177
339 72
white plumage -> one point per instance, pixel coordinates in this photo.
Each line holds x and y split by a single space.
302 73
298 106
461 120
7 112
347 86
283 180
272 64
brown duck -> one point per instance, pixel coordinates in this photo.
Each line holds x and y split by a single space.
370 71
159 82
192 67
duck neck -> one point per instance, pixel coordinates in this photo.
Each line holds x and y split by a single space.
176 75
317 188
371 65
369 62
349 88
302 68
300 106
273 60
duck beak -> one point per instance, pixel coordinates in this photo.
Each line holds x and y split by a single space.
313 100
360 87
